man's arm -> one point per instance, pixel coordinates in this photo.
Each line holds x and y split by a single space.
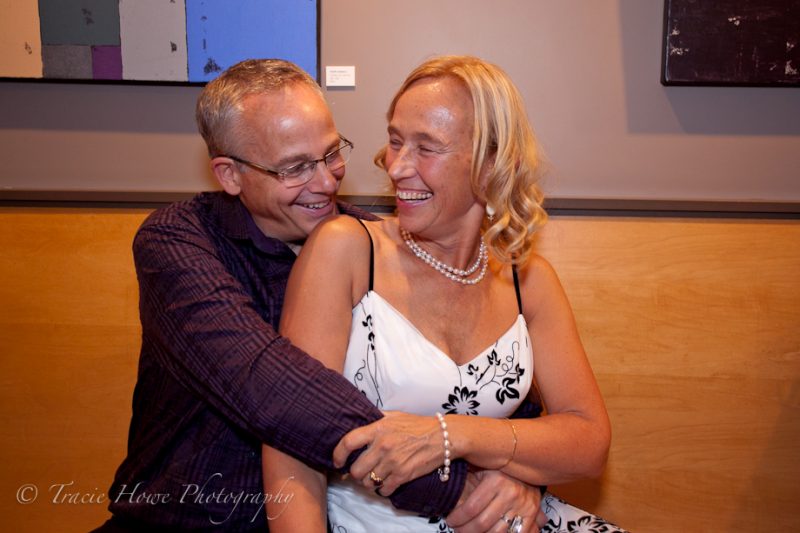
208 334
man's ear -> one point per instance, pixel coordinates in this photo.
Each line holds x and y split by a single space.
228 175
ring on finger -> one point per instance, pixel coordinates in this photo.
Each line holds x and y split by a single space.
515 524
377 481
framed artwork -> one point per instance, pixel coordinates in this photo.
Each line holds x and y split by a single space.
152 41
731 42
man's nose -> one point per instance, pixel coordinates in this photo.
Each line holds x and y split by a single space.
325 180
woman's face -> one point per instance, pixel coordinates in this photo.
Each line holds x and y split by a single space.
429 157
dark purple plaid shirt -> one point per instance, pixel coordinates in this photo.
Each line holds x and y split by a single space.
216 380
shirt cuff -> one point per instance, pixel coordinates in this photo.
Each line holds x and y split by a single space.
429 496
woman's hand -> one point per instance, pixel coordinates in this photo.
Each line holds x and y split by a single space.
491 499
400 447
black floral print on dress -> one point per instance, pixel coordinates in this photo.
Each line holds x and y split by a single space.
503 373
369 364
461 402
441 525
578 522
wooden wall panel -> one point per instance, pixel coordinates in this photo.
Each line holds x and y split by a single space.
692 326
69 339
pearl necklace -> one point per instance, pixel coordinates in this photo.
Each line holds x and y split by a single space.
452 273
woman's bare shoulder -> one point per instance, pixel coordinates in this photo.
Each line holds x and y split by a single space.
537 270
340 234
335 259
540 284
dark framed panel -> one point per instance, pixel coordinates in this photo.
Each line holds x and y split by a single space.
180 42
731 42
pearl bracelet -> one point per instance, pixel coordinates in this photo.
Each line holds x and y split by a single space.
444 472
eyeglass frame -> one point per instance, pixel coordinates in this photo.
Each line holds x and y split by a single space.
280 175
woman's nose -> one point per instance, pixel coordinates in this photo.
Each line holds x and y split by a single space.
400 164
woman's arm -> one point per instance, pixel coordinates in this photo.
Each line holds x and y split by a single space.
570 443
329 277
572 440
295 494
316 318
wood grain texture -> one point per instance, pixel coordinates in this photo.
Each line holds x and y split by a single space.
69 338
692 326
693 329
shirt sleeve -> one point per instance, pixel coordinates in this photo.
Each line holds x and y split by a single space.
205 330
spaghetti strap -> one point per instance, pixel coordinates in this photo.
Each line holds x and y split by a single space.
372 256
516 287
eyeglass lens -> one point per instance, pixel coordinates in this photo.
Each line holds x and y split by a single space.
302 173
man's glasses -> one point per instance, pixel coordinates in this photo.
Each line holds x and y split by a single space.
301 173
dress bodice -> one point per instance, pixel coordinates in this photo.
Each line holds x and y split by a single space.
397 368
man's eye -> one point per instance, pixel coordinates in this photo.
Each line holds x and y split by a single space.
395 144
296 170
426 150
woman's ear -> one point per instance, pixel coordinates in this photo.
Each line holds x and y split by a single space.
228 175
486 169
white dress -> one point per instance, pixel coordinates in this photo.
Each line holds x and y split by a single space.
398 369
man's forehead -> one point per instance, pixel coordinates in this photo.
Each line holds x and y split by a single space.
288 127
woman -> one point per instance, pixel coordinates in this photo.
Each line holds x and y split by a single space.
439 312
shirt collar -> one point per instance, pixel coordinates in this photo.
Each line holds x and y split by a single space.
237 223
266 244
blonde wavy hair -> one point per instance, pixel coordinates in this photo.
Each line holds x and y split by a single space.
503 139
220 104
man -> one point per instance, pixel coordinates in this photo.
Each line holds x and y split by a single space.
215 379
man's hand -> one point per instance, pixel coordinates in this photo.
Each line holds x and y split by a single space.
490 498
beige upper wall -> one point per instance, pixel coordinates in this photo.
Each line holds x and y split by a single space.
589 72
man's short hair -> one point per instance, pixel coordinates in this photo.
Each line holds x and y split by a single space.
221 101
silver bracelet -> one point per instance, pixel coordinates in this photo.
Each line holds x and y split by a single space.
444 472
